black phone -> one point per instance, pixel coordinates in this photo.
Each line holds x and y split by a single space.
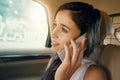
78 40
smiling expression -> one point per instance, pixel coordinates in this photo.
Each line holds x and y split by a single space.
64 30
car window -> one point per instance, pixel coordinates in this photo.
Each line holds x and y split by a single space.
23 25
114 38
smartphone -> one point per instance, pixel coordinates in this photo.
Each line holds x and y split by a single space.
61 54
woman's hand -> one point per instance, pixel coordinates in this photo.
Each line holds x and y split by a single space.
71 62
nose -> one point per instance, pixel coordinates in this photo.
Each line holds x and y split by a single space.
55 33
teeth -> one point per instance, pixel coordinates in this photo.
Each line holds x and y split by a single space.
54 43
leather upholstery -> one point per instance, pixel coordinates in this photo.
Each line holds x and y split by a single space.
107 55
110 59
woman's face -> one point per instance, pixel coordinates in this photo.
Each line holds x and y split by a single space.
64 29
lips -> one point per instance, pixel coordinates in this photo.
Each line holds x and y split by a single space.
54 43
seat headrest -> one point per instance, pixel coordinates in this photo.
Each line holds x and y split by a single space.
106 27
110 58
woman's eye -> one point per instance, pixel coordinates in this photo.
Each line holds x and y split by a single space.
54 25
64 30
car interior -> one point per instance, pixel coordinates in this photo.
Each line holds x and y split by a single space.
31 64
108 55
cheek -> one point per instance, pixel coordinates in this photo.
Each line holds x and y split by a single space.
66 40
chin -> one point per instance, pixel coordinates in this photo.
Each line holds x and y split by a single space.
55 49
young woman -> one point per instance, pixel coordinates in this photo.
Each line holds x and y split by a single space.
72 20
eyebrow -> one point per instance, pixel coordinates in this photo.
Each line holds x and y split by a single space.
65 26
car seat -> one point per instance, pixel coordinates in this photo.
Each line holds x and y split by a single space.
110 58
108 55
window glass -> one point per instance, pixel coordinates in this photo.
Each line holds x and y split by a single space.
114 38
23 25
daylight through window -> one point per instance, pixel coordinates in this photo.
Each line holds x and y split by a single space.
23 24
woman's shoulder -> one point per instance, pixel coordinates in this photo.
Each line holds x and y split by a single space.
95 72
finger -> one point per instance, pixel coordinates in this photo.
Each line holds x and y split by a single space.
75 51
67 52
83 43
77 58
82 48
74 46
